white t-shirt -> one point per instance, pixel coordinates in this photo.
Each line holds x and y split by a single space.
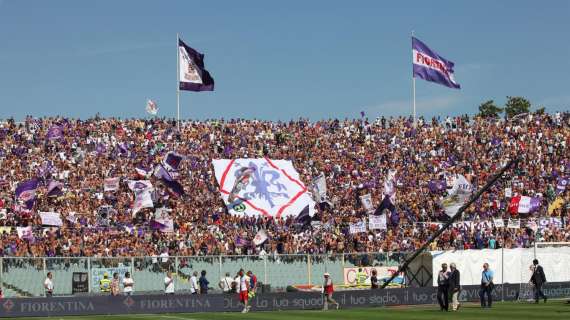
193 284
164 257
227 284
243 283
168 287
128 284
48 284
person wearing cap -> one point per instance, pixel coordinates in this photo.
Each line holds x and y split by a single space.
328 289
105 283
361 277
454 286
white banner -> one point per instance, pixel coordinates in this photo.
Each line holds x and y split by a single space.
377 222
262 187
111 184
547 222
508 192
24 232
357 227
514 224
51 219
366 201
499 223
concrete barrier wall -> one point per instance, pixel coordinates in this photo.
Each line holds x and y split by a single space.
152 304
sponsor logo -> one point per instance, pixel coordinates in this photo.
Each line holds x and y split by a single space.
8 305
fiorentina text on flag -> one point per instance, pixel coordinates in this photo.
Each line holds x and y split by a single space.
192 74
430 66
262 187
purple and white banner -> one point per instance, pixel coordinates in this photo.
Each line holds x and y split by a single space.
430 66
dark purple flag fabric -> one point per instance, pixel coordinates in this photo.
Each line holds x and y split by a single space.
430 66
192 74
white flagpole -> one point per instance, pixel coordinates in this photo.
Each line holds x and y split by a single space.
177 82
413 87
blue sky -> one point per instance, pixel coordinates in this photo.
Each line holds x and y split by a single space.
278 59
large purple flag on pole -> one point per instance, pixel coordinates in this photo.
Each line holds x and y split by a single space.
430 66
192 74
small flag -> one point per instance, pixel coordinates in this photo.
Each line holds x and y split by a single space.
151 107
172 160
139 186
430 66
26 191
111 184
55 132
260 237
562 185
523 204
192 74
54 189
386 204
142 200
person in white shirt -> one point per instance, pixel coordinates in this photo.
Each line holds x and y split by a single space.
194 289
169 283
226 283
48 285
128 284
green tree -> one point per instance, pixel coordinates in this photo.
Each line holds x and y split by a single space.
540 110
516 105
488 109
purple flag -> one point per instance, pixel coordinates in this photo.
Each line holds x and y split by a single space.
54 189
55 132
174 187
172 160
192 75
562 184
436 185
26 191
430 66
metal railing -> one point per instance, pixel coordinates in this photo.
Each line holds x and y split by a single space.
24 276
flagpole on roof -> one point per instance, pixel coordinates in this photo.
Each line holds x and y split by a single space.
177 81
413 86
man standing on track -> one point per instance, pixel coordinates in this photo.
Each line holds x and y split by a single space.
443 288
328 289
486 286
538 278
454 286
243 290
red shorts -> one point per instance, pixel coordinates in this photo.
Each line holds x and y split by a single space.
243 296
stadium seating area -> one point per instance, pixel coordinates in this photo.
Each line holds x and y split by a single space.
354 156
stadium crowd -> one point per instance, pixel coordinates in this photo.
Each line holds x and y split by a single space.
354 155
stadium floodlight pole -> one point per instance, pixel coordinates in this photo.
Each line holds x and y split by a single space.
178 81
413 85
434 236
